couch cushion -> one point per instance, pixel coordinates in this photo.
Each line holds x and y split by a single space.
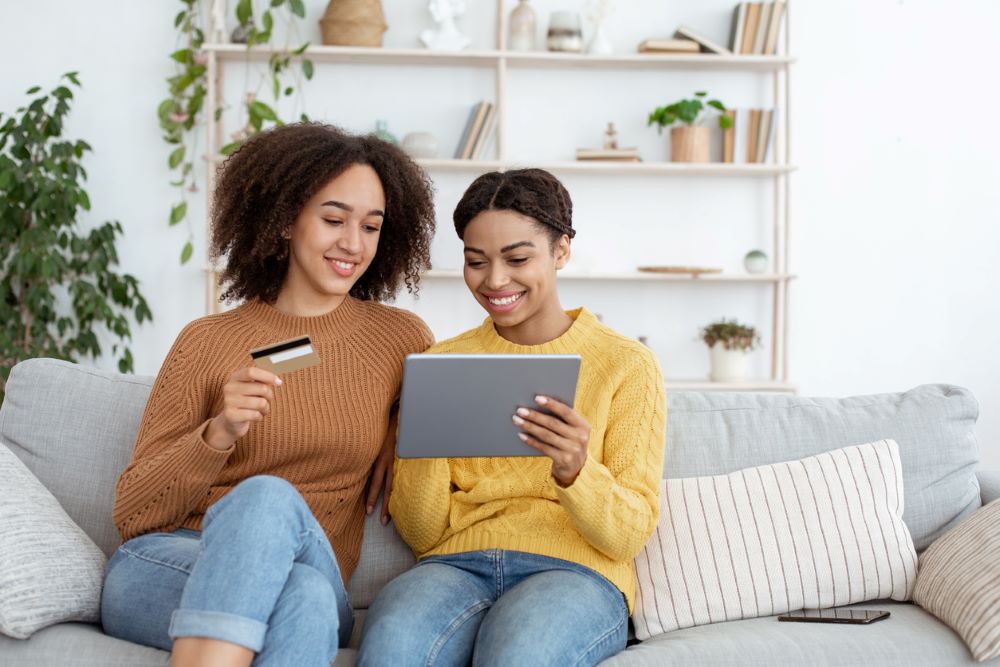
50 571
959 581
384 556
84 645
910 636
716 433
74 427
823 531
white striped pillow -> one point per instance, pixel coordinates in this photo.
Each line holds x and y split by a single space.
959 581
820 532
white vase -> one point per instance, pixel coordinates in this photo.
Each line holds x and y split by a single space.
522 28
600 45
727 365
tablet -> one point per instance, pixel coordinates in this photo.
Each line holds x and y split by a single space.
461 405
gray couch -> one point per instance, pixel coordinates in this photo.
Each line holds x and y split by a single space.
74 428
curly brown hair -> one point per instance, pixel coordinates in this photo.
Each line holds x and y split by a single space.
264 185
534 193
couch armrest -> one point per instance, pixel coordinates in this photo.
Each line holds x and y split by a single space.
989 485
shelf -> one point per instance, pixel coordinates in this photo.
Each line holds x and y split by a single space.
596 167
443 274
542 59
749 385
491 58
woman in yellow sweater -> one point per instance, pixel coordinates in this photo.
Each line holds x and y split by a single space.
528 561
243 505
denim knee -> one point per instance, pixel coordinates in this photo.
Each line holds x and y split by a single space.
263 495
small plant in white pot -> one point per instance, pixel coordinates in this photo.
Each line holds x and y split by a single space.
690 141
729 345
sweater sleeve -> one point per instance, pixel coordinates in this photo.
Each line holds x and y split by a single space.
615 504
172 467
421 501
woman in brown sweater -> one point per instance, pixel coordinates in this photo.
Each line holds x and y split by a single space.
244 502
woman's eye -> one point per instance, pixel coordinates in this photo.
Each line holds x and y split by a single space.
517 261
475 265
372 229
333 222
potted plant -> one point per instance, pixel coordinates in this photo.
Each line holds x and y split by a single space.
690 141
60 294
729 343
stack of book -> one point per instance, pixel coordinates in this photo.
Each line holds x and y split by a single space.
608 154
756 26
675 45
751 137
478 134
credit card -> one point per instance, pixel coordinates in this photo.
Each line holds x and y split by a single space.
287 356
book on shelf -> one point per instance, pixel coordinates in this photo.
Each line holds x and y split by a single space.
704 43
669 46
751 138
755 27
486 134
473 126
608 154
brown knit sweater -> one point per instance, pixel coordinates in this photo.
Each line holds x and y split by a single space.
325 429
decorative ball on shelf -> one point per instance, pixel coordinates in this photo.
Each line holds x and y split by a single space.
755 261
420 145
353 23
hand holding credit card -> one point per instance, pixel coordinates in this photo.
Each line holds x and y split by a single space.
287 356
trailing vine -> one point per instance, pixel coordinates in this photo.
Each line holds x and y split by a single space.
182 114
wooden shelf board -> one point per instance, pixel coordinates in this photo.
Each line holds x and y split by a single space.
599 167
526 59
748 385
445 274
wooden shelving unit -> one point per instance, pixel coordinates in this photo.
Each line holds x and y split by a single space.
501 63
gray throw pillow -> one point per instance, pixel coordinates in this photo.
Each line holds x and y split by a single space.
50 571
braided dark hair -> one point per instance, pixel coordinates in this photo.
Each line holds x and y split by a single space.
534 193
263 186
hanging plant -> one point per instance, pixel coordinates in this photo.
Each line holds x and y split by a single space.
58 286
181 114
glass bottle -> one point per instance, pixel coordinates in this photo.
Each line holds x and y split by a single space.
522 28
383 133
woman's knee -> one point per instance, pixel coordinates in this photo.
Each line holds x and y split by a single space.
262 496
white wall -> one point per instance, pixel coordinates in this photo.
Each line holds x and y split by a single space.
895 207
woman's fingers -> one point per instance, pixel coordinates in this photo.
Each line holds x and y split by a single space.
563 411
541 432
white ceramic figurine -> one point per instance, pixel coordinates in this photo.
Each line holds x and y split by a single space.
446 37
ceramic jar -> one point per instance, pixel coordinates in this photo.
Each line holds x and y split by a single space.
521 36
565 33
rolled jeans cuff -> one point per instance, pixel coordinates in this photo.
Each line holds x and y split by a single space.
240 630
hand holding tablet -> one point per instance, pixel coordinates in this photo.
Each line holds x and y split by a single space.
559 433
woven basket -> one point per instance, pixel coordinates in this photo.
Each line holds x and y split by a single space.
353 23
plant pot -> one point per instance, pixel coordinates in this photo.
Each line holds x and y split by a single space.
689 144
727 365
353 23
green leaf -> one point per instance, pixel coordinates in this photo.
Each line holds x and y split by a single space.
288 91
179 18
244 10
187 252
277 3
176 157
84 200
33 90
307 69
302 49
267 21
229 149
725 122
298 8
261 110
717 104
183 56
178 212
275 87
73 76
701 94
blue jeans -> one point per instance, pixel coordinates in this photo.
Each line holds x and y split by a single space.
261 574
495 607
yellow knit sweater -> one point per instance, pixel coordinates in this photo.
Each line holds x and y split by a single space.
603 519
325 429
